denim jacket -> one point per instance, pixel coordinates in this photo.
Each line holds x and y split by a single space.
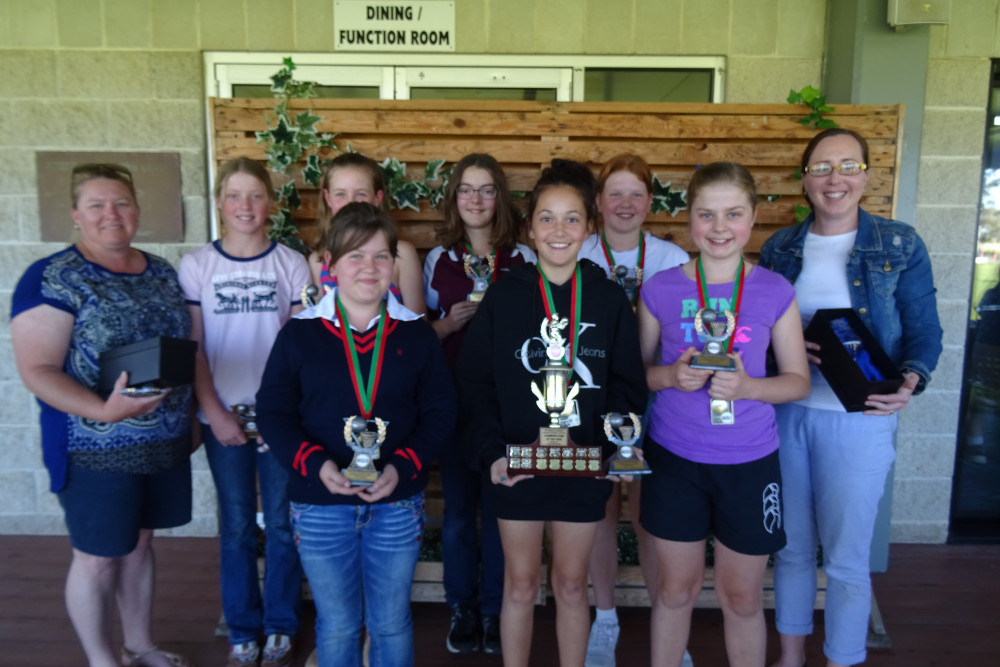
891 285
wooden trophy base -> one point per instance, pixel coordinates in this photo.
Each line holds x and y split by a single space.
554 454
631 466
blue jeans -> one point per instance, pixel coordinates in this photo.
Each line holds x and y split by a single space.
359 560
235 471
464 493
833 467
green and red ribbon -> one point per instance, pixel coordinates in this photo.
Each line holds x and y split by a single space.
364 393
575 303
735 302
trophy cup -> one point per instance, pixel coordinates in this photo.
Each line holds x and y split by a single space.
625 461
630 285
246 415
310 295
479 269
713 357
366 445
554 453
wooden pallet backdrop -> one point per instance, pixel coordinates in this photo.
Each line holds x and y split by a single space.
525 136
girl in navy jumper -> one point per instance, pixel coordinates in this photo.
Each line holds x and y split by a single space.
359 359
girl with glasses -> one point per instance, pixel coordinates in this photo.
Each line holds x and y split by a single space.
479 244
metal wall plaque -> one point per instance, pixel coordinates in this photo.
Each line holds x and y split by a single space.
157 179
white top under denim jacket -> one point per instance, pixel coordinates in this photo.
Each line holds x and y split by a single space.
891 286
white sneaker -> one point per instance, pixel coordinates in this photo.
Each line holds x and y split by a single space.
601 645
243 654
686 662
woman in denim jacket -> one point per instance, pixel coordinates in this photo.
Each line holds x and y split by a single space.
834 463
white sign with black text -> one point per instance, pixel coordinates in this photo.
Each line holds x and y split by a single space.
393 26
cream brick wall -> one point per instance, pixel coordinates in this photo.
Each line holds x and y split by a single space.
127 75
947 209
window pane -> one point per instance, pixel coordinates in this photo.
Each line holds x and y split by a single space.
975 511
646 85
328 92
541 94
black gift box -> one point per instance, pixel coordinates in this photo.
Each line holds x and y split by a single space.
163 362
846 379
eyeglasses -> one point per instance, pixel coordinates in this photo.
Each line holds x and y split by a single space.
821 169
484 192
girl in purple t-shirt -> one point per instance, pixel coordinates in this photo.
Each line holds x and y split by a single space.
712 440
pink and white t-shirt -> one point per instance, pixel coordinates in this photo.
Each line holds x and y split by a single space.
244 303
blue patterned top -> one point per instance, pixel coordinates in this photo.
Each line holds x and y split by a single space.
110 310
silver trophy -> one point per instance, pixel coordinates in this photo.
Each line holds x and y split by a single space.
555 397
480 269
310 295
624 436
630 285
715 330
366 445
554 453
246 415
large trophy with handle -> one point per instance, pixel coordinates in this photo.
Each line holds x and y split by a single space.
554 453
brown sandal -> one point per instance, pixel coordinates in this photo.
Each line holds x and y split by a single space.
138 659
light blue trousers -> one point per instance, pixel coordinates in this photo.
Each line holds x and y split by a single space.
833 469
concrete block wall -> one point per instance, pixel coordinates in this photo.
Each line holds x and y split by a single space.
958 82
127 75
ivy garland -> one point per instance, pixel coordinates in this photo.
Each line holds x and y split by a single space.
286 141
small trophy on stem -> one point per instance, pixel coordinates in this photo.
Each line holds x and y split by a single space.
625 461
366 445
715 332
479 268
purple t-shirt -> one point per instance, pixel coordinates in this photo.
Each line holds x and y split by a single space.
680 420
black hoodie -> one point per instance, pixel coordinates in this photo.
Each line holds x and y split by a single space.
503 353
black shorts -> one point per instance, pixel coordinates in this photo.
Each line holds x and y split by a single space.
542 498
740 504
